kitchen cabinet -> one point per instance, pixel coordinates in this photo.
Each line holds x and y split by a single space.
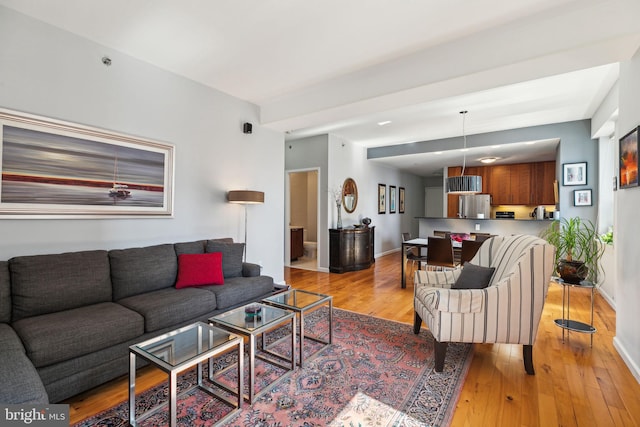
543 177
510 184
351 249
527 184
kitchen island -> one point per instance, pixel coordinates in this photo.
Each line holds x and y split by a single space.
499 226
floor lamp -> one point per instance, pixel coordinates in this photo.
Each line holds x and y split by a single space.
245 197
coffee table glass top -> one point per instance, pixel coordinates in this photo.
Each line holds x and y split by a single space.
239 318
182 345
297 299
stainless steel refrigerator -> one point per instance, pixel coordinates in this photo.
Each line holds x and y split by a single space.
475 206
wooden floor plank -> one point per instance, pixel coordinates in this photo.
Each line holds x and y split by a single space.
574 385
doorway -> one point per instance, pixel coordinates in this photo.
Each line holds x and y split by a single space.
302 243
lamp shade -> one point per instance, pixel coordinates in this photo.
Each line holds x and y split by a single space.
245 196
464 184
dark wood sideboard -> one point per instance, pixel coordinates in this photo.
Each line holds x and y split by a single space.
351 249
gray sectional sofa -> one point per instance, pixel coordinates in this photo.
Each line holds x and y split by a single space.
67 320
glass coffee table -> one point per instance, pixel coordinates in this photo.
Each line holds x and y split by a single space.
179 350
302 302
251 321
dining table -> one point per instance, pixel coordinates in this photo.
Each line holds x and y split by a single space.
420 243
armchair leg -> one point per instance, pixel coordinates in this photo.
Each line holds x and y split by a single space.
417 322
527 354
441 351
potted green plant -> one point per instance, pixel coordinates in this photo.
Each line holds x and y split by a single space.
578 249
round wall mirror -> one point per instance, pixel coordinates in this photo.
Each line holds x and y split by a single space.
349 195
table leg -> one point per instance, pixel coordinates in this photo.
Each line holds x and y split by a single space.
331 321
404 261
132 388
240 373
172 398
293 342
252 365
301 348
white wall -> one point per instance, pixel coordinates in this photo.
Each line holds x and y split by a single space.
627 230
348 160
52 73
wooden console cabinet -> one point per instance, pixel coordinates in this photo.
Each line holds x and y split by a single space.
351 249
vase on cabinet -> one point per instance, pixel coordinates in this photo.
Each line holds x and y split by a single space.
339 222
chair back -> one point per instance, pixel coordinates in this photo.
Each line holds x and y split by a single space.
406 236
469 249
441 233
480 237
440 252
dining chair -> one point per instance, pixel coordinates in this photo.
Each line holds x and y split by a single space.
480 237
441 233
413 254
469 249
439 253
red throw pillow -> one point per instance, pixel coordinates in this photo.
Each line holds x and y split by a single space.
199 269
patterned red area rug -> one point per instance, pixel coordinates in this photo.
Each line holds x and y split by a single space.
376 373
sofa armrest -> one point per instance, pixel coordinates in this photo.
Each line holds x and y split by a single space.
250 269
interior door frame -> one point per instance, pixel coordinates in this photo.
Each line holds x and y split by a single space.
287 214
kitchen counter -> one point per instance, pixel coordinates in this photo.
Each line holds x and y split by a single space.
500 226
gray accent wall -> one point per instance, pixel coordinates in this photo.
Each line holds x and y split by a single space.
52 73
576 145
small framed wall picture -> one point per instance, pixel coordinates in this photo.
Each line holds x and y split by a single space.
392 199
401 200
574 173
628 170
582 198
382 198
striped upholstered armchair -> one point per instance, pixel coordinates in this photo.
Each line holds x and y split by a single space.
508 310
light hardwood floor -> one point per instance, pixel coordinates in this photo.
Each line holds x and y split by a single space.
574 385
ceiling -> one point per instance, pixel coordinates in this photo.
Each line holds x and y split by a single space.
342 67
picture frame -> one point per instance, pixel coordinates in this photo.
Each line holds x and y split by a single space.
392 199
401 200
582 197
628 160
574 174
382 196
57 169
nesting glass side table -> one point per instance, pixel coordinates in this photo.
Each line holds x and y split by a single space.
179 350
300 302
566 322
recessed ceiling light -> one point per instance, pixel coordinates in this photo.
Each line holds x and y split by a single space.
437 152
530 142
464 149
488 159
495 146
384 123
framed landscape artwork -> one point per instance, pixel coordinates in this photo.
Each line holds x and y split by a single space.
401 200
582 198
382 206
628 173
574 173
392 199
56 169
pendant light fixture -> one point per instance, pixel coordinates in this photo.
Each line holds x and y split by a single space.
464 184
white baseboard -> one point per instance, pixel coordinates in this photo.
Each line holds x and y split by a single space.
607 298
635 369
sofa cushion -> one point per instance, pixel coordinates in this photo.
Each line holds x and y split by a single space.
196 247
231 256
20 381
237 290
171 306
42 284
55 337
199 269
5 293
473 277
138 270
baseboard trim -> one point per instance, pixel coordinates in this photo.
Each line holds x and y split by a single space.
622 351
607 298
